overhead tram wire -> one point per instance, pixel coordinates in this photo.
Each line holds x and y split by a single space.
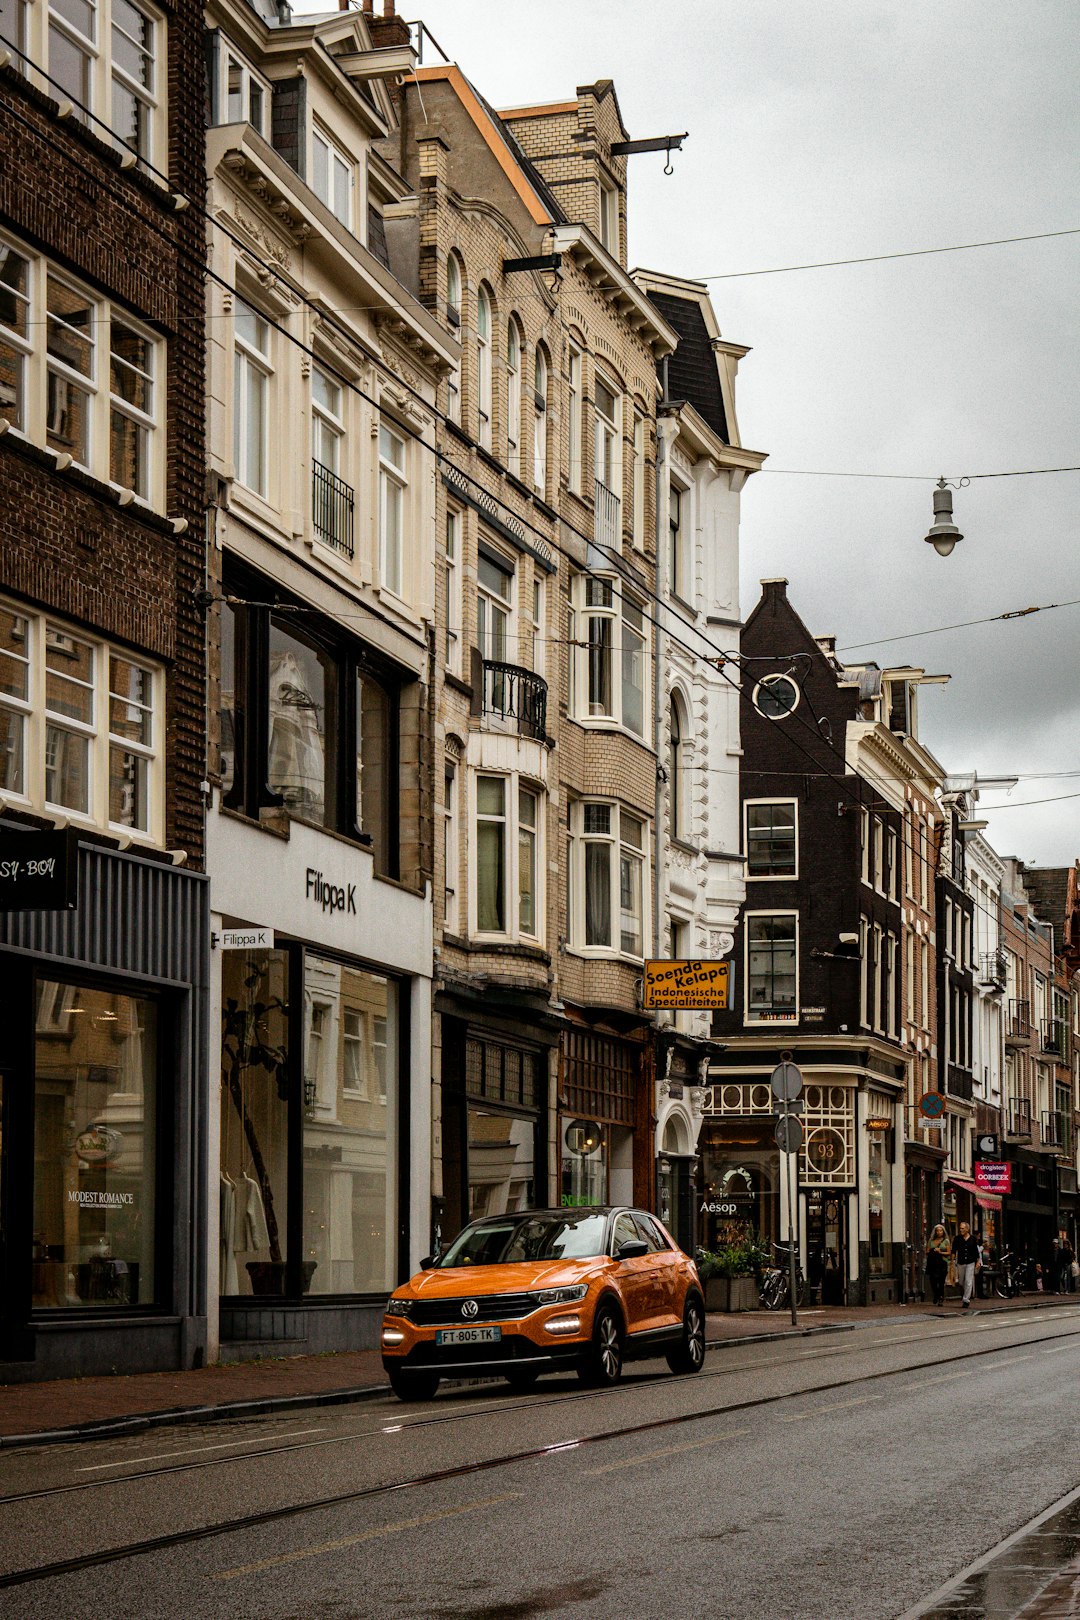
880 258
716 659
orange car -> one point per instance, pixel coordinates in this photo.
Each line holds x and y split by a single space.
537 1291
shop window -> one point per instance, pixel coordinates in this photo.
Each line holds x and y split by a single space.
80 724
771 967
307 726
608 872
350 1129
771 841
596 1165
254 1183
96 1192
502 1162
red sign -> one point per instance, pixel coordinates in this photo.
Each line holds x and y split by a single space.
993 1176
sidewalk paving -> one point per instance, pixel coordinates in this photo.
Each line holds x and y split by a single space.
82 1408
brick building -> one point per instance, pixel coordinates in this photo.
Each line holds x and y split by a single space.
102 1179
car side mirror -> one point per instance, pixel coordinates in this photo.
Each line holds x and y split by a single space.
632 1249
429 1262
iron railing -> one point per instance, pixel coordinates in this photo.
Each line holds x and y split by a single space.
992 968
1052 1128
1018 1021
517 696
1052 1036
608 519
1018 1117
332 504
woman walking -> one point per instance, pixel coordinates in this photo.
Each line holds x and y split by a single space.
938 1249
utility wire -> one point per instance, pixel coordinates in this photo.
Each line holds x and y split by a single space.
912 478
879 258
963 624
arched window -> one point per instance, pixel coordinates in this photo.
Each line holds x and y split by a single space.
676 771
513 394
540 376
483 368
453 316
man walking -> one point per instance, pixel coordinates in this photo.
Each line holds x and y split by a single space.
966 1257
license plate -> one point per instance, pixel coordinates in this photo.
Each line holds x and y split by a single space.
476 1335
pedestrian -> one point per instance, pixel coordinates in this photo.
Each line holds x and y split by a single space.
966 1256
1052 1267
1069 1267
938 1250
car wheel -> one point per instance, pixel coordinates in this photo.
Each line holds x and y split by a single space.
412 1386
522 1379
690 1355
603 1361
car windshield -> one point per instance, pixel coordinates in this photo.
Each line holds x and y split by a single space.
530 1237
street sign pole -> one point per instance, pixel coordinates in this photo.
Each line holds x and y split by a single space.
791 1236
787 1084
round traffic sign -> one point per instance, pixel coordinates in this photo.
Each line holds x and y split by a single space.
786 1081
789 1133
932 1104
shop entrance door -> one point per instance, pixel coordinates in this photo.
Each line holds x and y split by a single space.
674 1200
826 1245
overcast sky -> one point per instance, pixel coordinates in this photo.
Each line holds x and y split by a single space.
841 130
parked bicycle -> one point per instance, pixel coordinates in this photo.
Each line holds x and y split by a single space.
1010 1280
775 1291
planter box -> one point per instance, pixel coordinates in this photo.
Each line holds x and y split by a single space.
731 1294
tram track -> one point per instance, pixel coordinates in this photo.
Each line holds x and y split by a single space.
417 1482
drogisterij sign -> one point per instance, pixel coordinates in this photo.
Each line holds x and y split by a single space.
39 871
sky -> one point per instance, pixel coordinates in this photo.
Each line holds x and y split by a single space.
822 132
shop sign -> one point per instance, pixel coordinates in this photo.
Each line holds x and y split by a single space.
246 939
685 986
987 1145
39 871
882 1123
993 1176
330 897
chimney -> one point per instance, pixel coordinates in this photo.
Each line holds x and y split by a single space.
389 29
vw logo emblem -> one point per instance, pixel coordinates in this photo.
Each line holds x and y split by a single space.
470 1308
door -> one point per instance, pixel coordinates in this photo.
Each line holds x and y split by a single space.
825 1239
665 1301
637 1278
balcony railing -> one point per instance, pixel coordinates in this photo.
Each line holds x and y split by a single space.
1052 1036
608 517
1018 1023
1053 1129
332 505
1018 1117
992 969
517 696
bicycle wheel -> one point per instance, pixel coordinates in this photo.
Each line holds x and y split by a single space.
774 1291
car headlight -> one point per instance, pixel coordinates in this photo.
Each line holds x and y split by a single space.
561 1296
400 1307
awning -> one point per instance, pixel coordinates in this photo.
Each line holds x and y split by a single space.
987 1200
963 1184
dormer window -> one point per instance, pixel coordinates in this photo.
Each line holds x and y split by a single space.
332 176
246 99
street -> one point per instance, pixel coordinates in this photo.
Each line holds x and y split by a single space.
846 1474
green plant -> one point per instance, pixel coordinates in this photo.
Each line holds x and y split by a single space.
743 1257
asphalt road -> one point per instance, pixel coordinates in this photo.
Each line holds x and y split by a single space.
845 1475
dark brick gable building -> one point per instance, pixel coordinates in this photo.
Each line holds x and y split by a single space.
102 686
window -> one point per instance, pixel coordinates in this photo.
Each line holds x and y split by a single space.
507 858
606 465
679 581
251 397
307 725
392 491
608 871
616 655
513 395
637 481
450 848
332 176
80 724
15 344
609 218
771 967
538 624
242 97
771 842
540 376
494 594
453 316
776 696
574 409
483 368
676 771
103 56
453 592
332 498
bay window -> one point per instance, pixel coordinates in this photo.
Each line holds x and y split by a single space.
771 946
607 877
615 656
507 820
80 724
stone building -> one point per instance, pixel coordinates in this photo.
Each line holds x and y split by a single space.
103 962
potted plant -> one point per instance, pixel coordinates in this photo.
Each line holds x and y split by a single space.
729 1274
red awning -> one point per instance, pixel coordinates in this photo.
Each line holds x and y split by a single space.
987 1200
963 1183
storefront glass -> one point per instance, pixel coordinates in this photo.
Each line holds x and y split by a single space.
740 1181
350 1128
879 1206
584 1171
95 1147
502 1152
254 1187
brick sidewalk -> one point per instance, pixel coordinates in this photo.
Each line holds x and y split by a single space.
246 1387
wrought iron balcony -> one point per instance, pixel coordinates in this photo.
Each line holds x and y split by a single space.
1053 1130
608 517
332 504
1018 1023
1052 1036
1018 1117
516 696
993 969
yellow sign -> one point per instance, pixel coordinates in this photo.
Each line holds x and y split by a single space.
685 986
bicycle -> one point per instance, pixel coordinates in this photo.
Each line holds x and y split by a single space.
775 1290
1009 1283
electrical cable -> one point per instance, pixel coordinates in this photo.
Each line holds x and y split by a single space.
879 258
913 478
964 624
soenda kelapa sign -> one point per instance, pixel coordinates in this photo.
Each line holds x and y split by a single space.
993 1176
685 986
39 871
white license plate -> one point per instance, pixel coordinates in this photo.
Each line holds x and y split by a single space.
476 1335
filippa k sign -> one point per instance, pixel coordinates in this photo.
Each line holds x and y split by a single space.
991 1175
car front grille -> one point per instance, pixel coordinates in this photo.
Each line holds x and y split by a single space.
489 1308
511 1347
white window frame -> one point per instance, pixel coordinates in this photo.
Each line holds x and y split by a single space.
455 526
626 639
680 574
607 462
539 623
393 496
354 1041
515 354
339 194
608 217
251 84
771 877
484 367
623 851
327 422
540 391
575 416
637 482
28 714
105 77
516 788
253 380
493 605
750 1015
451 853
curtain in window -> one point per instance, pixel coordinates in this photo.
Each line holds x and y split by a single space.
597 894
